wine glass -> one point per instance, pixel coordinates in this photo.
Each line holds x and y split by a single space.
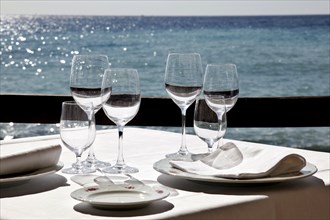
122 97
183 83
207 126
221 83
85 85
77 134
220 88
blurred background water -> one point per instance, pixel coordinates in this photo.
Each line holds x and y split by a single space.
275 56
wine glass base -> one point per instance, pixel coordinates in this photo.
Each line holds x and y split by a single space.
83 170
120 169
95 163
179 156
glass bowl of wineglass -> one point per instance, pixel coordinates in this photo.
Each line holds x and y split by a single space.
221 83
122 97
183 83
207 126
77 133
85 85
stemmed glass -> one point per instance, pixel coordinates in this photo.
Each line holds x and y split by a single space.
207 126
85 85
183 83
122 97
221 88
77 134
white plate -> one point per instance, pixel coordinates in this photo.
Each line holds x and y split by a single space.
31 175
163 166
121 196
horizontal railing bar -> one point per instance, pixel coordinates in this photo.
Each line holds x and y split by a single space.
301 111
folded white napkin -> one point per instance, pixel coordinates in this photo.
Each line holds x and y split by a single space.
243 162
22 159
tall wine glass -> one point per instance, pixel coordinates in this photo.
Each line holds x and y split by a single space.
221 88
207 126
85 84
183 83
77 134
122 97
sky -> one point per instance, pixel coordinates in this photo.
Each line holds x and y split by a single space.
165 7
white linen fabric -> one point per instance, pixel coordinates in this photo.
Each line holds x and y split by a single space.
241 162
48 196
28 158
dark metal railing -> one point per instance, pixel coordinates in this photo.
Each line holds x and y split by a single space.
305 111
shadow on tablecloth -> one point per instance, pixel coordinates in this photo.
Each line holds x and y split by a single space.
296 199
240 189
152 209
33 186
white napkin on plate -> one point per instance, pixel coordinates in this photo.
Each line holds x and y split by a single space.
23 159
243 162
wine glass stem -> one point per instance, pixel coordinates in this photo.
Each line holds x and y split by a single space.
78 165
209 147
120 158
220 142
91 154
183 148
220 123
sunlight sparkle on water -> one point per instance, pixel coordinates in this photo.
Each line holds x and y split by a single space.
29 51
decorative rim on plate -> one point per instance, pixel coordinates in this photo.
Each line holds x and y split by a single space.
121 196
163 166
34 174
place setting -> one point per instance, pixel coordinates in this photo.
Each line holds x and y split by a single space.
94 86
215 94
239 165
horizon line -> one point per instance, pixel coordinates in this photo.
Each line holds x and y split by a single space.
170 15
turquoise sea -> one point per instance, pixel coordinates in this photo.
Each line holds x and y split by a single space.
275 56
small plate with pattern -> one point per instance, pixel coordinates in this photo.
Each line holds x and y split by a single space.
121 196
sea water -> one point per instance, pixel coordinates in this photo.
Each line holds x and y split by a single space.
275 56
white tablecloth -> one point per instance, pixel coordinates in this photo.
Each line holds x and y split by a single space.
48 197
